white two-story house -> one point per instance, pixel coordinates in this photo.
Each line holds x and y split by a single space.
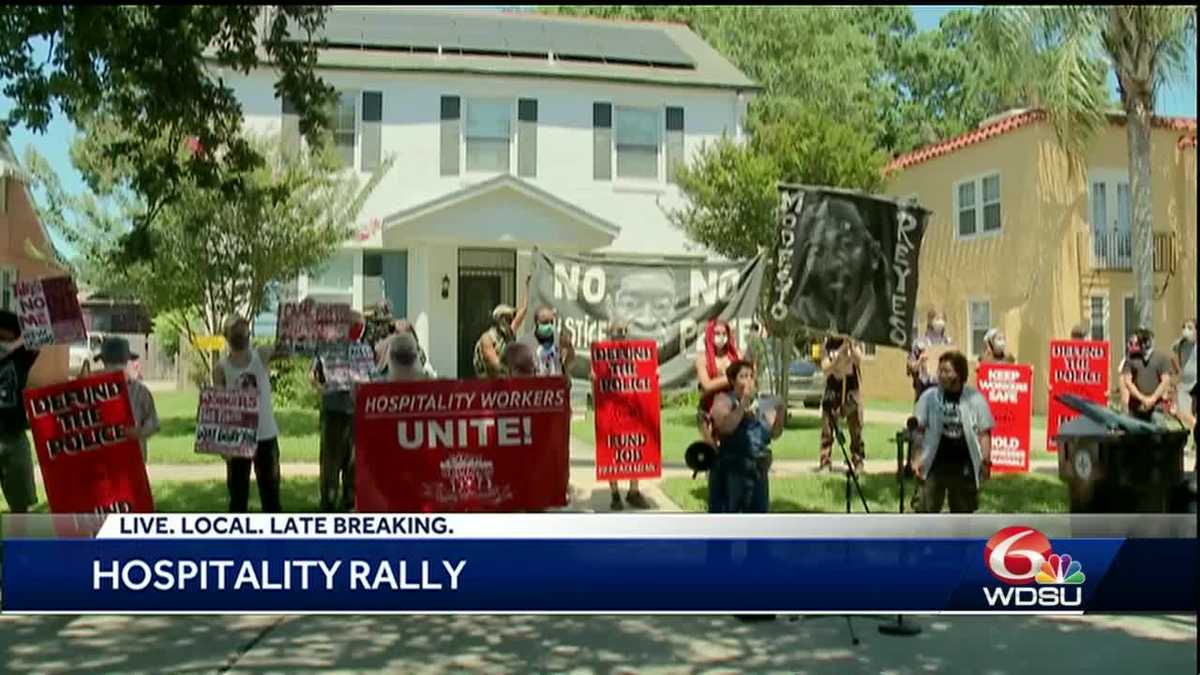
510 131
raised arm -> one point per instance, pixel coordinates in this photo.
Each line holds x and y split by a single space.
519 318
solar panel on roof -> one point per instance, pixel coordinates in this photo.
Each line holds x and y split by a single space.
499 35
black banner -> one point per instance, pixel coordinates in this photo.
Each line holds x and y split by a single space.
847 262
667 302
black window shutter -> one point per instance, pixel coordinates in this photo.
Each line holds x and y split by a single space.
602 137
451 130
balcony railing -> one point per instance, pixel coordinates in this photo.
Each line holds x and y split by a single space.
1114 251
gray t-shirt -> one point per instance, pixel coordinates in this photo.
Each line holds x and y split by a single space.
1147 372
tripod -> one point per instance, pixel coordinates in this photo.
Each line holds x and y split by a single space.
902 437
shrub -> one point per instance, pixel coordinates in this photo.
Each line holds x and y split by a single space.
290 386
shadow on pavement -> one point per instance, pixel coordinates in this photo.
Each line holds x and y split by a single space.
601 644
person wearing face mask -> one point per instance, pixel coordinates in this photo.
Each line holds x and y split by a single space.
1184 351
554 353
16 457
995 348
1147 376
490 346
719 353
337 432
935 336
115 357
246 368
618 331
954 437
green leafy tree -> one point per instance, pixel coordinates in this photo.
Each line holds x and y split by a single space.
157 70
1059 57
213 252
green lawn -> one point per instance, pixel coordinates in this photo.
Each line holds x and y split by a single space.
801 440
826 493
298 494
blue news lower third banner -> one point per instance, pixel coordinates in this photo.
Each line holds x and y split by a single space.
468 568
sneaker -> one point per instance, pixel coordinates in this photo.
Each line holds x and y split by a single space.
637 501
616 504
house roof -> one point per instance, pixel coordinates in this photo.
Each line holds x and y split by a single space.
1017 120
524 44
9 166
600 226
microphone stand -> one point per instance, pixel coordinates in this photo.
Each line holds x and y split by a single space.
899 628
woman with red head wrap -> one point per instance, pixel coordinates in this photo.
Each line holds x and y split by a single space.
719 352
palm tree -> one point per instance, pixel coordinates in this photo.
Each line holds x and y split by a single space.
1057 58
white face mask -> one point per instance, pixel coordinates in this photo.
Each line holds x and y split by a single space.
939 326
719 341
1189 334
998 346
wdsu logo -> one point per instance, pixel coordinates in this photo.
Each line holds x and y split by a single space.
1018 556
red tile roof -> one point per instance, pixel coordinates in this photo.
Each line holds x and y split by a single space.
1187 140
1016 121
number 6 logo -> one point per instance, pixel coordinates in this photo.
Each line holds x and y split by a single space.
1015 554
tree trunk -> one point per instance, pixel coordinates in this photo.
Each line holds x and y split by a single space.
1137 128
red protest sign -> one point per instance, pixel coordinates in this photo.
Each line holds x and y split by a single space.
1077 367
462 445
626 395
88 462
303 327
227 422
1009 392
49 312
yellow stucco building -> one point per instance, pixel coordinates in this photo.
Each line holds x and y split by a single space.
1019 242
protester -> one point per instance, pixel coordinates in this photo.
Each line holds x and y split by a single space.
954 427
935 336
246 368
1184 351
758 353
1131 347
491 345
995 348
1079 332
746 429
399 327
16 457
618 330
554 353
1147 374
404 360
519 360
720 352
115 356
841 361
337 439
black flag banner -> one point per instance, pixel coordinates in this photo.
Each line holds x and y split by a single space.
847 262
667 301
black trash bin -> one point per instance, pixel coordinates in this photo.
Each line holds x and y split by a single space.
1114 463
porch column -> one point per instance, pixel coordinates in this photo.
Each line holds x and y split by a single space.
356 297
419 297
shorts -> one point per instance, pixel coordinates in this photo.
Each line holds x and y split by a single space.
16 472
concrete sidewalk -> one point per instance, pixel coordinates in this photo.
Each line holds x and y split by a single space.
1164 645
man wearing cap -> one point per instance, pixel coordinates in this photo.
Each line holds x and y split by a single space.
490 347
16 458
115 357
404 359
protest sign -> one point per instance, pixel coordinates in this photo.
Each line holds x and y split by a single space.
346 363
209 343
49 312
1009 392
667 301
303 327
227 423
626 395
89 463
847 263
1077 367
462 445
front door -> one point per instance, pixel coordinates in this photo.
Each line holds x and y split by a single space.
478 295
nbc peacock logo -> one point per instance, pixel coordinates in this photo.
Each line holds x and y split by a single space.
1020 555
1060 569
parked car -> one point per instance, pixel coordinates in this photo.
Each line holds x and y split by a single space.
84 351
806 384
